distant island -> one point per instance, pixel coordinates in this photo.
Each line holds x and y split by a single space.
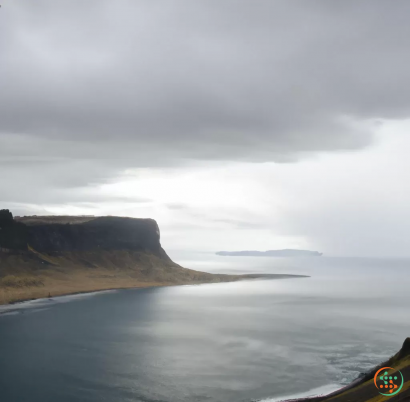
271 253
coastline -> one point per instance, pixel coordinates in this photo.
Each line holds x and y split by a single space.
75 288
81 292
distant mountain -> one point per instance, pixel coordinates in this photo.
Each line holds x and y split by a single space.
271 253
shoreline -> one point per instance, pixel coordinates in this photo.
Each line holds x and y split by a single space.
143 285
81 292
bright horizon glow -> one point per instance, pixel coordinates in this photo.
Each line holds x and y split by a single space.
348 203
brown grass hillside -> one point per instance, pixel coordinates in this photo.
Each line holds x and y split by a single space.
33 275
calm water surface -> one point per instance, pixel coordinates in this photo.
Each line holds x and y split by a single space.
253 340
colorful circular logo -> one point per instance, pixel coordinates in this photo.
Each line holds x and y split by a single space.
388 381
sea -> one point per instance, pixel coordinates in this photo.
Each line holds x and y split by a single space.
255 340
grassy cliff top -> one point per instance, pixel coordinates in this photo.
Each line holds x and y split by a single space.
66 219
61 219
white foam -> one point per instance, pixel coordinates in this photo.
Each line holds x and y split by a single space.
324 390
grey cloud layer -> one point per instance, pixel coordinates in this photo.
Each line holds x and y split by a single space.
119 84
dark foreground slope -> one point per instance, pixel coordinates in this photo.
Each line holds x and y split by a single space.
60 255
364 390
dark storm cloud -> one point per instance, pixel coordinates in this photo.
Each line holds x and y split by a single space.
89 89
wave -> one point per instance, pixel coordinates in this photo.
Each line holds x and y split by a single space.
323 390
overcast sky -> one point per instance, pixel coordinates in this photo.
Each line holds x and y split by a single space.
235 124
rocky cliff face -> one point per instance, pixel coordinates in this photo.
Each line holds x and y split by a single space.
105 233
47 234
13 235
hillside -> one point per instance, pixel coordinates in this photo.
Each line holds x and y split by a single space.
61 254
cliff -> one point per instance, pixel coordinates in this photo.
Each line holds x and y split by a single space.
42 255
13 235
57 234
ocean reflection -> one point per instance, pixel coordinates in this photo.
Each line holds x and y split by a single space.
243 341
